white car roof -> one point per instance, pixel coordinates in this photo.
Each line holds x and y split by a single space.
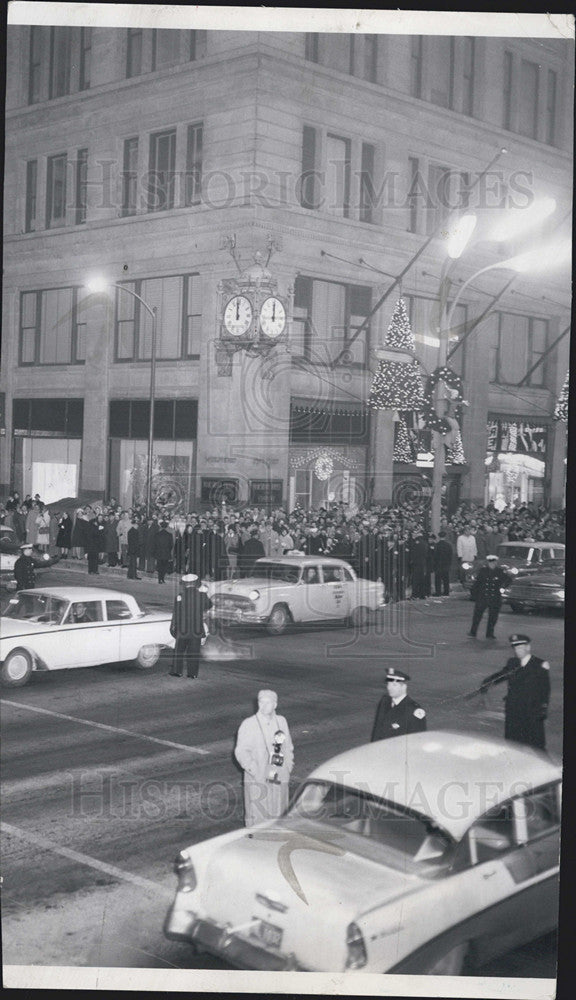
303 560
528 543
80 593
451 777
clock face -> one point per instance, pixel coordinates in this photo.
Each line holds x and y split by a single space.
272 317
238 315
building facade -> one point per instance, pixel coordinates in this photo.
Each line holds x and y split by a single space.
166 159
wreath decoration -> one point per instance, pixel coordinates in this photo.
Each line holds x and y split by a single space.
453 382
324 467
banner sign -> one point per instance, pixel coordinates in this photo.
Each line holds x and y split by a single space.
266 492
517 436
216 490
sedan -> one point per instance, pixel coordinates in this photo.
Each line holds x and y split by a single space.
429 853
66 627
542 589
295 588
10 552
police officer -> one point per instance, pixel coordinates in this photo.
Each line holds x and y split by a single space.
528 694
187 626
397 713
486 594
24 569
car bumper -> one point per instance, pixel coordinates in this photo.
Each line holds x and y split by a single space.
233 946
237 616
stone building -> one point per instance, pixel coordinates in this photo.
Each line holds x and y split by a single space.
164 160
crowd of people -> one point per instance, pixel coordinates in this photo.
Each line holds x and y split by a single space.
388 543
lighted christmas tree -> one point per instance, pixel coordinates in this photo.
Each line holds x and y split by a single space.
397 384
403 447
455 450
561 411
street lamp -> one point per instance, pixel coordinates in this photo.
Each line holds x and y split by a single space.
101 285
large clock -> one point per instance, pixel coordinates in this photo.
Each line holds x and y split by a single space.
238 315
272 317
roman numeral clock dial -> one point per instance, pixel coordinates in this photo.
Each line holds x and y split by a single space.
272 317
238 315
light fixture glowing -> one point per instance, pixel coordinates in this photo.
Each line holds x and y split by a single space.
97 284
459 234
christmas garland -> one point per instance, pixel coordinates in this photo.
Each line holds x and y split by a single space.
453 382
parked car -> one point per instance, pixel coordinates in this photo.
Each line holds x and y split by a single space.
427 853
63 627
295 588
10 552
518 559
544 588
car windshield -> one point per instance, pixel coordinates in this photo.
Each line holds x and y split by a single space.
277 571
407 836
514 551
36 607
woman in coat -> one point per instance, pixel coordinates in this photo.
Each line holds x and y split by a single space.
31 526
43 529
111 540
78 534
93 543
64 536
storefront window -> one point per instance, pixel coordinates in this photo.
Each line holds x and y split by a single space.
47 466
172 469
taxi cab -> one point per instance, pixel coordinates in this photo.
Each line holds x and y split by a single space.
293 589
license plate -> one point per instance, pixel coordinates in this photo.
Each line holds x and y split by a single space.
270 935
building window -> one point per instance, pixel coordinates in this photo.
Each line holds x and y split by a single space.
508 68
414 167
193 190
85 57
468 76
56 191
60 39
162 171
327 314
493 338
52 327
551 108
309 177
416 46
134 52
81 185
311 46
31 194
438 207
522 341
538 343
330 423
442 73
528 111
192 45
165 47
35 68
367 193
130 177
337 175
370 58
179 318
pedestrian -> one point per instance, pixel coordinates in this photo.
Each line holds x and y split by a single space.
93 541
123 527
79 534
31 526
252 550
133 550
19 523
443 555
466 550
265 753
163 548
397 713
64 536
111 540
43 528
24 568
418 555
486 593
528 679
187 626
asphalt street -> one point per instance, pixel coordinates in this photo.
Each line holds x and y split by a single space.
108 772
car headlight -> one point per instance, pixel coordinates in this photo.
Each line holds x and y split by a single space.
254 595
45 556
514 570
466 566
560 594
504 590
184 869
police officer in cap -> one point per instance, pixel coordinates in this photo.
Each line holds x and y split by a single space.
486 593
187 626
24 568
528 694
397 713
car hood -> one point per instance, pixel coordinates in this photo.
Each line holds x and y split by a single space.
542 579
295 876
10 627
246 585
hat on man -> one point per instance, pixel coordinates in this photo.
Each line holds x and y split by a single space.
265 693
492 558
397 675
27 545
519 640
189 578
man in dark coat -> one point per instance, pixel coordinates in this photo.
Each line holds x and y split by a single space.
418 555
528 679
187 626
367 554
443 556
486 593
133 541
163 547
252 550
397 713
24 569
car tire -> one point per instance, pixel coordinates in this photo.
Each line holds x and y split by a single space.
17 668
450 963
360 617
279 619
148 657
516 607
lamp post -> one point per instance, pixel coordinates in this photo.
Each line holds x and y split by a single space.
100 285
